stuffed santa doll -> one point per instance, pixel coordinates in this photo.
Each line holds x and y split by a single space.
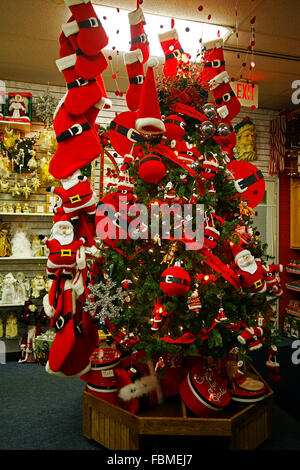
64 251
249 271
76 196
272 279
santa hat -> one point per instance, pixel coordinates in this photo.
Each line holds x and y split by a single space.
238 252
61 219
148 116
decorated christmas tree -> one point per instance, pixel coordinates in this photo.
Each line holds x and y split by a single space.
168 263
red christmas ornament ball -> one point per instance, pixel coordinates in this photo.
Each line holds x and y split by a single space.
175 281
151 169
175 127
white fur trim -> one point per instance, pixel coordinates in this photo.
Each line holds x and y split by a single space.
148 121
80 258
152 62
168 35
223 111
71 3
213 229
136 17
71 181
219 79
78 284
70 28
214 44
61 102
241 254
49 309
211 163
66 62
61 374
133 56
105 103
138 388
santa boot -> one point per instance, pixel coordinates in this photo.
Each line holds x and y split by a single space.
78 144
90 34
228 106
213 59
250 336
211 236
172 50
139 38
135 71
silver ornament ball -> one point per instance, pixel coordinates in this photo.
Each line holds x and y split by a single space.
207 129
209 110
223 129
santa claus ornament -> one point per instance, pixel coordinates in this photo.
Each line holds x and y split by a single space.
76 196
250 271
175 280
64 249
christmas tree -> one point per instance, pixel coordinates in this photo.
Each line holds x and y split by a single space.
178 276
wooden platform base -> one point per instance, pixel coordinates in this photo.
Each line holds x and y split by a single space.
116 429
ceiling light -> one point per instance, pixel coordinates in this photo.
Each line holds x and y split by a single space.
191 33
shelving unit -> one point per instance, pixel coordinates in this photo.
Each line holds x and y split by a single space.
34 224
292 320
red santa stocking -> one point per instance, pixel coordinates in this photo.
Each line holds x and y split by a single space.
64 340
139 38
227 103
90 34
213 59
86 339
78 144
88 67
135 71
172 50
82 94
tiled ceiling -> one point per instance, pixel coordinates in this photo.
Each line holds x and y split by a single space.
29 31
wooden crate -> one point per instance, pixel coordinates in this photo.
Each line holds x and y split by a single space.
116 429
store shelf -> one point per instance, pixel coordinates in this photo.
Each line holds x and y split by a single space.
22 214
11 305
22 126
31 258
294 286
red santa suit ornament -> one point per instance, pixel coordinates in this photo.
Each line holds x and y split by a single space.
272 280
210 166
250 271
64 250
76 196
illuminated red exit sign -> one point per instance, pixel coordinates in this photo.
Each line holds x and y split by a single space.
247 93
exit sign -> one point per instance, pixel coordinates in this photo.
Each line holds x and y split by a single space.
247 93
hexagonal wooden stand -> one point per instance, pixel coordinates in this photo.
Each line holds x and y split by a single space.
117 429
